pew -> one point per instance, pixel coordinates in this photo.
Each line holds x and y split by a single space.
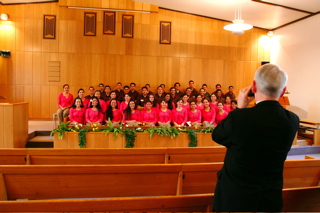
111 156
111 184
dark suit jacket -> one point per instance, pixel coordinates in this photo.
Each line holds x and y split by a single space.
257 140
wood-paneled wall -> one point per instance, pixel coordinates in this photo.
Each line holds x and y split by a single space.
201 50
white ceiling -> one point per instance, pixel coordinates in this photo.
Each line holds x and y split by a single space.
266 14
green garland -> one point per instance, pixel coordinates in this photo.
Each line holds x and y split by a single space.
163 131
82 137
192 137
62 128
130 135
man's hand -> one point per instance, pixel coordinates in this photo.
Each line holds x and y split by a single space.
243 99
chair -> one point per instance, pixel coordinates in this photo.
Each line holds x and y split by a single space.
54 116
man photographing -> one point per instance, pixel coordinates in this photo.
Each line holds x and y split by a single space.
257 140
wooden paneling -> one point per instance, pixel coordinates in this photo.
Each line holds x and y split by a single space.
200 50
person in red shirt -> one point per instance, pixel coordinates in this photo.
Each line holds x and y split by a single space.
221 114
94 113
113 113
85 101
65 101
77 112
179 115
149 116
164 115
194 115
131 116
208 114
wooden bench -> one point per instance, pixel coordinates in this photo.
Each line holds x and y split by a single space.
310 129
111 156
162 187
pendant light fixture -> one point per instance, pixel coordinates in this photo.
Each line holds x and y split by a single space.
238 27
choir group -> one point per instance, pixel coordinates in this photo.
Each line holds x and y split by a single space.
126 105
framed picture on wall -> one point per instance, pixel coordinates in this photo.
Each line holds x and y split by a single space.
49 26
109 23
165 32
127 26
90 23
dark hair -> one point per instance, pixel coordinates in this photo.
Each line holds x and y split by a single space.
168 102
144 88
191 81
119 83
230 87
171 88
154 103
127 110
91 87
234 101
98 105
65 85
109 113
218 90
218 85
148 85
126 87
133 84
201 89
80 90
176 84
101 84
97 91
204 85
200 96
74 102
107 86
163 85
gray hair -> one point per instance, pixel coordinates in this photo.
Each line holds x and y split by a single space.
271 80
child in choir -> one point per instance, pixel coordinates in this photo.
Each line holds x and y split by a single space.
221 114
124 104
113 113
214 102
85 101
168 99
164 115
199 104
131 116
77 112
102 102
94 113
234 105
179 115
185 103
149 116
227 105
65 101
208 114
194 115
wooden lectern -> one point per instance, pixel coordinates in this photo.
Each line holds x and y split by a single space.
13 125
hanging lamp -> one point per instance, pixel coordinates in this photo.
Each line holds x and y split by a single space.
238 27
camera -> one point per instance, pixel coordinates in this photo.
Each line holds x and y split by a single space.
250 94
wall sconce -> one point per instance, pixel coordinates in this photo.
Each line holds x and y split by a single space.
5 53
4 17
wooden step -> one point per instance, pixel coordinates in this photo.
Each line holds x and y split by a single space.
40 142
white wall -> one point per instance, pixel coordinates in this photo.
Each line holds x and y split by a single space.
296 49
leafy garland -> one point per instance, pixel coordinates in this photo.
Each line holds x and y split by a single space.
163 131
130 134
62 128
82 137
192 137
